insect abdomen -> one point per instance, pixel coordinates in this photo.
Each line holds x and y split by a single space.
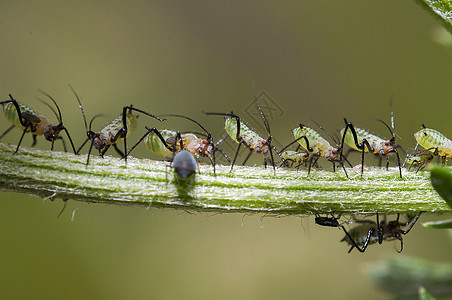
11 113
155 145
316 141
430 138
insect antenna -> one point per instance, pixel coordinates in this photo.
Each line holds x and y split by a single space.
208 137
267 127
389 128
81 107
334 138
59 117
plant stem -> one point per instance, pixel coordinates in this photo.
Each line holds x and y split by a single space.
441 9
247 189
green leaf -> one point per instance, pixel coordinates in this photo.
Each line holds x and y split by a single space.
441 9
443 224
424 294
402 276
441 178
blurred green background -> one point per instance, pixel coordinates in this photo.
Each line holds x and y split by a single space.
320 60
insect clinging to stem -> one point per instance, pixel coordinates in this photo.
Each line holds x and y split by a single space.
313 142
370 232
118 129
435 142
26 119
363 141
168 143
239 132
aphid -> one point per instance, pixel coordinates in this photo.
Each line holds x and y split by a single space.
370 232
165 142
327 221
184 165
118 129
301 158
242 134
363 141
27 120
312 141
435 142
420 159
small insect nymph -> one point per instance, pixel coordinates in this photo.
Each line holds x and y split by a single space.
363 141
435 142
313 142
115 131
169 142
242 134
27 120
327 221
370 232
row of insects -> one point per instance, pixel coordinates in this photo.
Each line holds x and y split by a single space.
182 148
168 143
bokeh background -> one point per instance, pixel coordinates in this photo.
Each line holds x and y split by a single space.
319 60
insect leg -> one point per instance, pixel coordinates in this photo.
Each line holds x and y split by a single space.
102 153
84 143
118 151
269 134
412 224
89 151
62 141
7 130
19 113
235 156
248 156
34 140
380 230
70 140
22 136
224 154
354 245
124 124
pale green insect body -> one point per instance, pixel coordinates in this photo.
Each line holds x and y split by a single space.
298 157
155 145
107 134
198 147
247 136
317 143
28 114
374 141
434 141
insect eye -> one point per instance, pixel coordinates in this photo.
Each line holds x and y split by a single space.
387 143
204 141
334 152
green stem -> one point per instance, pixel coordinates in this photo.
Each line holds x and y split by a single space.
441 9
246 189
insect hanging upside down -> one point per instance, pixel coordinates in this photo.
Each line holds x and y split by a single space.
28 120
370 232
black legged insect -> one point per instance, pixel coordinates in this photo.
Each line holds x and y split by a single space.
313 142
327 221
370 232
118 129
291 156
242 134
363 141
165 142
27 120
